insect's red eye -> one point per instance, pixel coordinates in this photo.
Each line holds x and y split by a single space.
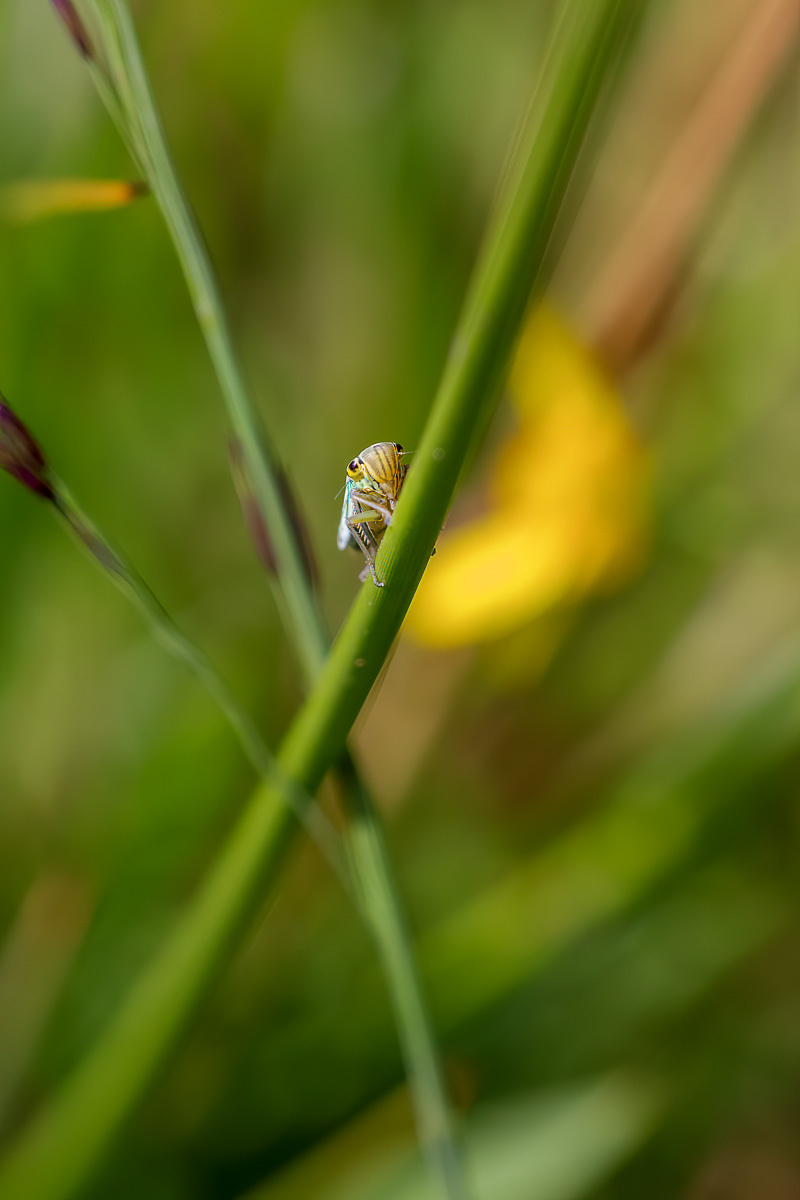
355 468
398 448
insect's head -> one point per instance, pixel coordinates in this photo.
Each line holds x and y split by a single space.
378 468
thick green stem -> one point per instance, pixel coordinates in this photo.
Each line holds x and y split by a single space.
296 600
511 269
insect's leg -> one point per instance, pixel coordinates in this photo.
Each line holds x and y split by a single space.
369 569
367 518
381 509
360 526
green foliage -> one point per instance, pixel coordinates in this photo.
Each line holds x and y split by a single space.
599 856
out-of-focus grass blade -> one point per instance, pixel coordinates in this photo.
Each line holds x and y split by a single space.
553 1146
34 961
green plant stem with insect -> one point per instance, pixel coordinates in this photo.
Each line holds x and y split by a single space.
64 1146
119 71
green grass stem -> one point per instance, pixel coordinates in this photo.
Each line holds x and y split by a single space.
140 117
136 113
172 638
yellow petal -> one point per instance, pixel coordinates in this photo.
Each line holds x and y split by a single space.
487 579
551 360
568 502
33 199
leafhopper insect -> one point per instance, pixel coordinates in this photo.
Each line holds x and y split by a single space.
371 489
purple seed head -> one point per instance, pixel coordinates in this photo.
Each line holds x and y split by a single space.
69 15
20 455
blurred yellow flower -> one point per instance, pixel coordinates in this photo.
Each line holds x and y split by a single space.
34 199
568 497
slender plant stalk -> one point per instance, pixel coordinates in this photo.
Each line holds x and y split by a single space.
165 630
368 888
143 131
372 878
64 1146
137 116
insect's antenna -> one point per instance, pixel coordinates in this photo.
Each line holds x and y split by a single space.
341 489
406 453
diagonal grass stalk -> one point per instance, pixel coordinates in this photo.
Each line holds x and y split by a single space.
367 889
134 109
172 638
139 121
63 1148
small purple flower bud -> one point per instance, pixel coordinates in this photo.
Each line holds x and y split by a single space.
69 15
20 456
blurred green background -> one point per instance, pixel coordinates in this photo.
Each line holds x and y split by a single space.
595 816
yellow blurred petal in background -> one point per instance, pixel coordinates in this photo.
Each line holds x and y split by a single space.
568 502
34 199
